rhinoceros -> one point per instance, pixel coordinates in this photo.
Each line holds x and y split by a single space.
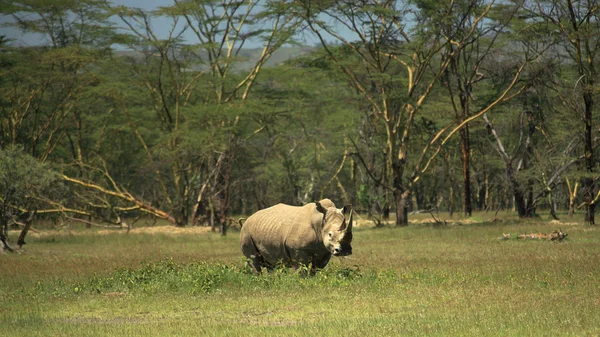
297 235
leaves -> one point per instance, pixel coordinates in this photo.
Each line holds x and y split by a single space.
195 102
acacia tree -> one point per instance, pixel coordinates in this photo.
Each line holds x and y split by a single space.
42 85
397 69
466 70
192 83
24 185
302 144
575 25
47 90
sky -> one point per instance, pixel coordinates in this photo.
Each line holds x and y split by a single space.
160 25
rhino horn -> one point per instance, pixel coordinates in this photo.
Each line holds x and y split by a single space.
347 225
346 209
349 228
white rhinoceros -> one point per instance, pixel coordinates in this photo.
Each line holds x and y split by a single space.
297 236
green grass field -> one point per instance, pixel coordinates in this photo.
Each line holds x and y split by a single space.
422 280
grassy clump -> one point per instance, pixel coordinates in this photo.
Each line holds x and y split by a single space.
196 278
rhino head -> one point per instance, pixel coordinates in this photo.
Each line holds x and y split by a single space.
337 231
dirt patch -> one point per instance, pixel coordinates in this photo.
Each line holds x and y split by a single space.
154 230
110 321
171 230
362 223
447 221
558 222
369 223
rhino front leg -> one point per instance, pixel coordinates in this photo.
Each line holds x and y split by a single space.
297 267
319 263
300 262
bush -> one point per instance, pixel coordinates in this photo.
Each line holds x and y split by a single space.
202 278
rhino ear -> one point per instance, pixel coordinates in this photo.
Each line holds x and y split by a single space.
320 208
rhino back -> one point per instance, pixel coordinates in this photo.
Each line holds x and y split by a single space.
271 229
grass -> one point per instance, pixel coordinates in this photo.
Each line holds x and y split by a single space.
422 280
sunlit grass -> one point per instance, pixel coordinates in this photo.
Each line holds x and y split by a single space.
454 280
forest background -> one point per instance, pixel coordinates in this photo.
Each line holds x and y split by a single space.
197 110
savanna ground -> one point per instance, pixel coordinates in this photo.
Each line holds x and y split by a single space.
422 280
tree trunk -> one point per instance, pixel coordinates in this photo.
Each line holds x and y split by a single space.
488 196
211 206
419 197
572 195
451 201
519 200
385 213
571 205
401 195
590 206
464 145
182 216
590 211
481 195
401 199
224 200
519 196
4 246
28 221
531 205
571 208
588 183
552 207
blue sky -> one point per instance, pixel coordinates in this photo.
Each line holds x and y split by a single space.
160 25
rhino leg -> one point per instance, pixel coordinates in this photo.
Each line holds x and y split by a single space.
256 264
319 263
255 260
299 268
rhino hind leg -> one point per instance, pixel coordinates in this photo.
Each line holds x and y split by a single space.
256 263
255 260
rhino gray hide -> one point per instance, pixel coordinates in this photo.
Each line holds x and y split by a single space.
297 236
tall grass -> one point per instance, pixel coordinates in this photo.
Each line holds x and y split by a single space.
427 280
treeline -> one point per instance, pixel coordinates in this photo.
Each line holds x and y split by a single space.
400 106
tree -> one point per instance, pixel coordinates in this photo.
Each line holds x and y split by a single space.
42 85
465 71
396 70
575 26
299 154
25 184
189 83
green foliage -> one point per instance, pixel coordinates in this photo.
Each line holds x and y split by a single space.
201 278
151 109
24 182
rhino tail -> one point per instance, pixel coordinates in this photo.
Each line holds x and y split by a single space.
241 221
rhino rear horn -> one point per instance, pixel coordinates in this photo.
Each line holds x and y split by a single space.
349 228
347 225
346 209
